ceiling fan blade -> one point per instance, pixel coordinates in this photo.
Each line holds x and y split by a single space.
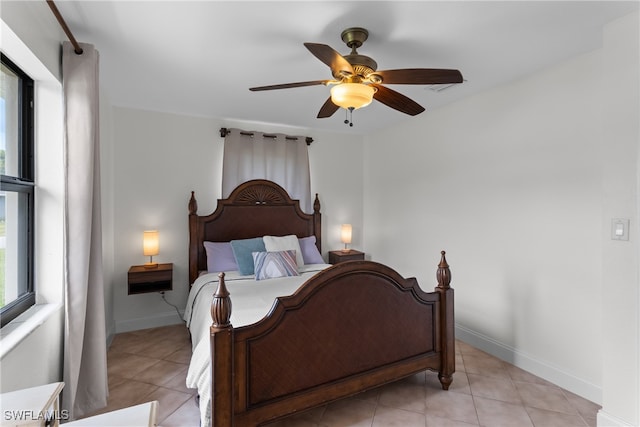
327 109
335 61
397 101
290 85
420 76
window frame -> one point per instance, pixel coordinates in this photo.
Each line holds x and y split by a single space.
23 183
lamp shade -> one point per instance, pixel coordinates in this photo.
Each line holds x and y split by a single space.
345 233
151 244
348 95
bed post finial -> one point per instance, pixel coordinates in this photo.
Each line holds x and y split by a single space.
444 273
221 346
316 204
447 332
221 305
193 205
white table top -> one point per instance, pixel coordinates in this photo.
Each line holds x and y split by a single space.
28 405
143 415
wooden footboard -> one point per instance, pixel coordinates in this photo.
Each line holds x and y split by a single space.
350 328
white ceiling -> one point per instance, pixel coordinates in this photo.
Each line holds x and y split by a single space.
200 57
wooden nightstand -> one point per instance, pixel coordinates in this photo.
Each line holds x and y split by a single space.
340 256
143 279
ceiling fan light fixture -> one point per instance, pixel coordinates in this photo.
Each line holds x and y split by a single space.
352 95
357 79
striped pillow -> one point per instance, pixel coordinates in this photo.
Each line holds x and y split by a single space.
269 265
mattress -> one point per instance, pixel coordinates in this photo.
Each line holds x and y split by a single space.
251 301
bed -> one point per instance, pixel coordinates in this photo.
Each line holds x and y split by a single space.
265 349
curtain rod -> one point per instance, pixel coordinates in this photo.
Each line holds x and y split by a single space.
224 132
76 47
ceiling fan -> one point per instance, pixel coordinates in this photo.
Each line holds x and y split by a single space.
356 81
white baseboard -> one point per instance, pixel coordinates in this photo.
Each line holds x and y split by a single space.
530 364
608 420
161 319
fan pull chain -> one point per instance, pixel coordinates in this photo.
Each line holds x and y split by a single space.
348 116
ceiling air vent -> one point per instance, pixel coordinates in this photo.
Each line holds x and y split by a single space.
441 87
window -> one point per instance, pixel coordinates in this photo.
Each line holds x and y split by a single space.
16 191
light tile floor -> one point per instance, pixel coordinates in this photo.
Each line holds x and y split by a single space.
152 364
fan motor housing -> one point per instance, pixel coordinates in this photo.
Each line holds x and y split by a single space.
362 65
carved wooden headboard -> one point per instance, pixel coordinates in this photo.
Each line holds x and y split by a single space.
254 209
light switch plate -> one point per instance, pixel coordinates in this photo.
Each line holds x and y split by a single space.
620 229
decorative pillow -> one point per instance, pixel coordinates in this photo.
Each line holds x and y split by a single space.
220 257
269 265
284 243
310 252
242 250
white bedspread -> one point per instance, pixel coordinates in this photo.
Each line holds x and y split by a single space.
251 301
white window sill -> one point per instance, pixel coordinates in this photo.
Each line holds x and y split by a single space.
22 326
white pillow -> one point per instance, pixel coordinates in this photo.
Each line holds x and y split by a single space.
284 243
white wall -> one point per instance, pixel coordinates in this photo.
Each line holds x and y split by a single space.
620 289
160 158
157 160
40 329
36 27
510 183
32 40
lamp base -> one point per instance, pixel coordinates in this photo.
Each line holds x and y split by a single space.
151 265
